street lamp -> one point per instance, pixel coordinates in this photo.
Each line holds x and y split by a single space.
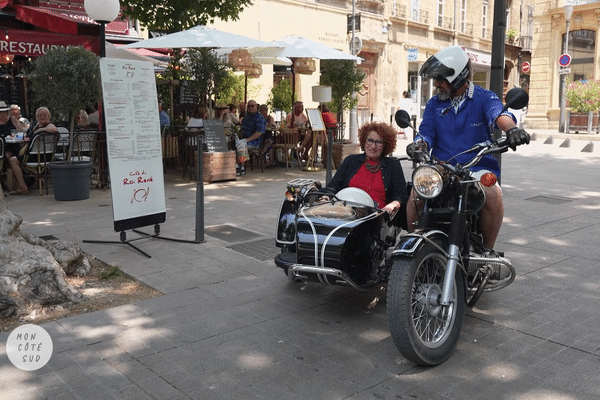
103 12
563 77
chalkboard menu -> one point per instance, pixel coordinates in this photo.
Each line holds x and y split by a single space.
214 136
187 94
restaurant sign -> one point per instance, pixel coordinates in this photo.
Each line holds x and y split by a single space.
35 44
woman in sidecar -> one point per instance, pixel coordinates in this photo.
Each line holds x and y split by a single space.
339 234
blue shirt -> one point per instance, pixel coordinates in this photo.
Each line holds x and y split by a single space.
251 124
448 131
164 119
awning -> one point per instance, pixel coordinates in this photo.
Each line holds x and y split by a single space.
35 43
63 21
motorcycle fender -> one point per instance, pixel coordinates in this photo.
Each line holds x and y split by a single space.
410 244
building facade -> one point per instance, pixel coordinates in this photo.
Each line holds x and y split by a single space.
395 38
550 27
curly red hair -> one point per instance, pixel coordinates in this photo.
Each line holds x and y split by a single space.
385 131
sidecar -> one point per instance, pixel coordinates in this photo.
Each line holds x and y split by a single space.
343 241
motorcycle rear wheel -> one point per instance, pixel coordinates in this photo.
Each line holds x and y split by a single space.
424 332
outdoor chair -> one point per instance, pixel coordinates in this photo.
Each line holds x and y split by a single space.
288 142
40 152
2 150
261 154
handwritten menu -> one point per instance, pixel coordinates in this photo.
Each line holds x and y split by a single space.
214 136
133 142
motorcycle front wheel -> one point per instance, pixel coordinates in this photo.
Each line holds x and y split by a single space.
424 331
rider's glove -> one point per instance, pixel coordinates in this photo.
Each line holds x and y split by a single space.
517 136
412 148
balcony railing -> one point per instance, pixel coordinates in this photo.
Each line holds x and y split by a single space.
526 42
420 16
444 22
467 29
399 11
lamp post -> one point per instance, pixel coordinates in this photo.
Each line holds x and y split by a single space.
103 12
563 77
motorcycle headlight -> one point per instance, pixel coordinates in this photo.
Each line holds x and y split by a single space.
427 182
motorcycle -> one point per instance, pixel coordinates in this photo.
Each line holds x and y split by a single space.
431 273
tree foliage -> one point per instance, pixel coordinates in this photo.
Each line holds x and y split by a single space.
178 15
66 80
280 97
345 80
207 72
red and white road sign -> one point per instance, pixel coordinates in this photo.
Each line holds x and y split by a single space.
526 67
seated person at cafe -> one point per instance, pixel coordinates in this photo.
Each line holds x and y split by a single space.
93 117
200 113
81 120
163 116
300 119
15 111
264 111
253 126
8 124
43 124
233 114
329 118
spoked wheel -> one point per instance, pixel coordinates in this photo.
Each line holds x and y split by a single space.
424 331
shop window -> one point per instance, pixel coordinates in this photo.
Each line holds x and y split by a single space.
582 45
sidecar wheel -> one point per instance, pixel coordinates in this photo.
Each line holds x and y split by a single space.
424 332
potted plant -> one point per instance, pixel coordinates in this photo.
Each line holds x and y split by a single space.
511 35
67 80
583 97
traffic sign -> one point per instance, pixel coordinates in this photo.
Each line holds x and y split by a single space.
564 60
526 67
564 71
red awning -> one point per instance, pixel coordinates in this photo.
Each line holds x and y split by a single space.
51 20
35 43
64 21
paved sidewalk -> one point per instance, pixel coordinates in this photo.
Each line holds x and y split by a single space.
230 326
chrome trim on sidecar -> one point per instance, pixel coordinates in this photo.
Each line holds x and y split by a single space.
323 273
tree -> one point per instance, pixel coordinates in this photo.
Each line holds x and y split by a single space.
207 72
178 15
280 97
66 80
345 80
32 270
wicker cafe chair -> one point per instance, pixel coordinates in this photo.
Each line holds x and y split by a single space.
288 142
84 146
40 152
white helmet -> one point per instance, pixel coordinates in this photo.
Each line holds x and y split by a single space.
450 63
355 195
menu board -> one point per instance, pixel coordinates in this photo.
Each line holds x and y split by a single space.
214 135
133 143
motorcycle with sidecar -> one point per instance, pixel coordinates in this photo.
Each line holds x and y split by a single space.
432 274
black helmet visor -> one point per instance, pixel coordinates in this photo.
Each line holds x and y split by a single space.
433 68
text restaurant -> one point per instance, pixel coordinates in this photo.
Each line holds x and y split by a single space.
29 28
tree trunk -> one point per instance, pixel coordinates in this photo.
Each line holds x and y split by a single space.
33 270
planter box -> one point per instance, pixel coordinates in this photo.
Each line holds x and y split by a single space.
217 166
584 122
340 151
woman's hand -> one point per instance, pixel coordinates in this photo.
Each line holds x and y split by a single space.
392 207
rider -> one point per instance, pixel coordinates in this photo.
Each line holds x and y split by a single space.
457 118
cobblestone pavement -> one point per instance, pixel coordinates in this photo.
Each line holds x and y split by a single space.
230 326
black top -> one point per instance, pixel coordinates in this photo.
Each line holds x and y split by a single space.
5 129
391 171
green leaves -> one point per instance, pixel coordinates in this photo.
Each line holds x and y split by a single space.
280 97
66 80
178 15
583 96
345 80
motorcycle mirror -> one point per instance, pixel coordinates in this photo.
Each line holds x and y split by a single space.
402 119
517 98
